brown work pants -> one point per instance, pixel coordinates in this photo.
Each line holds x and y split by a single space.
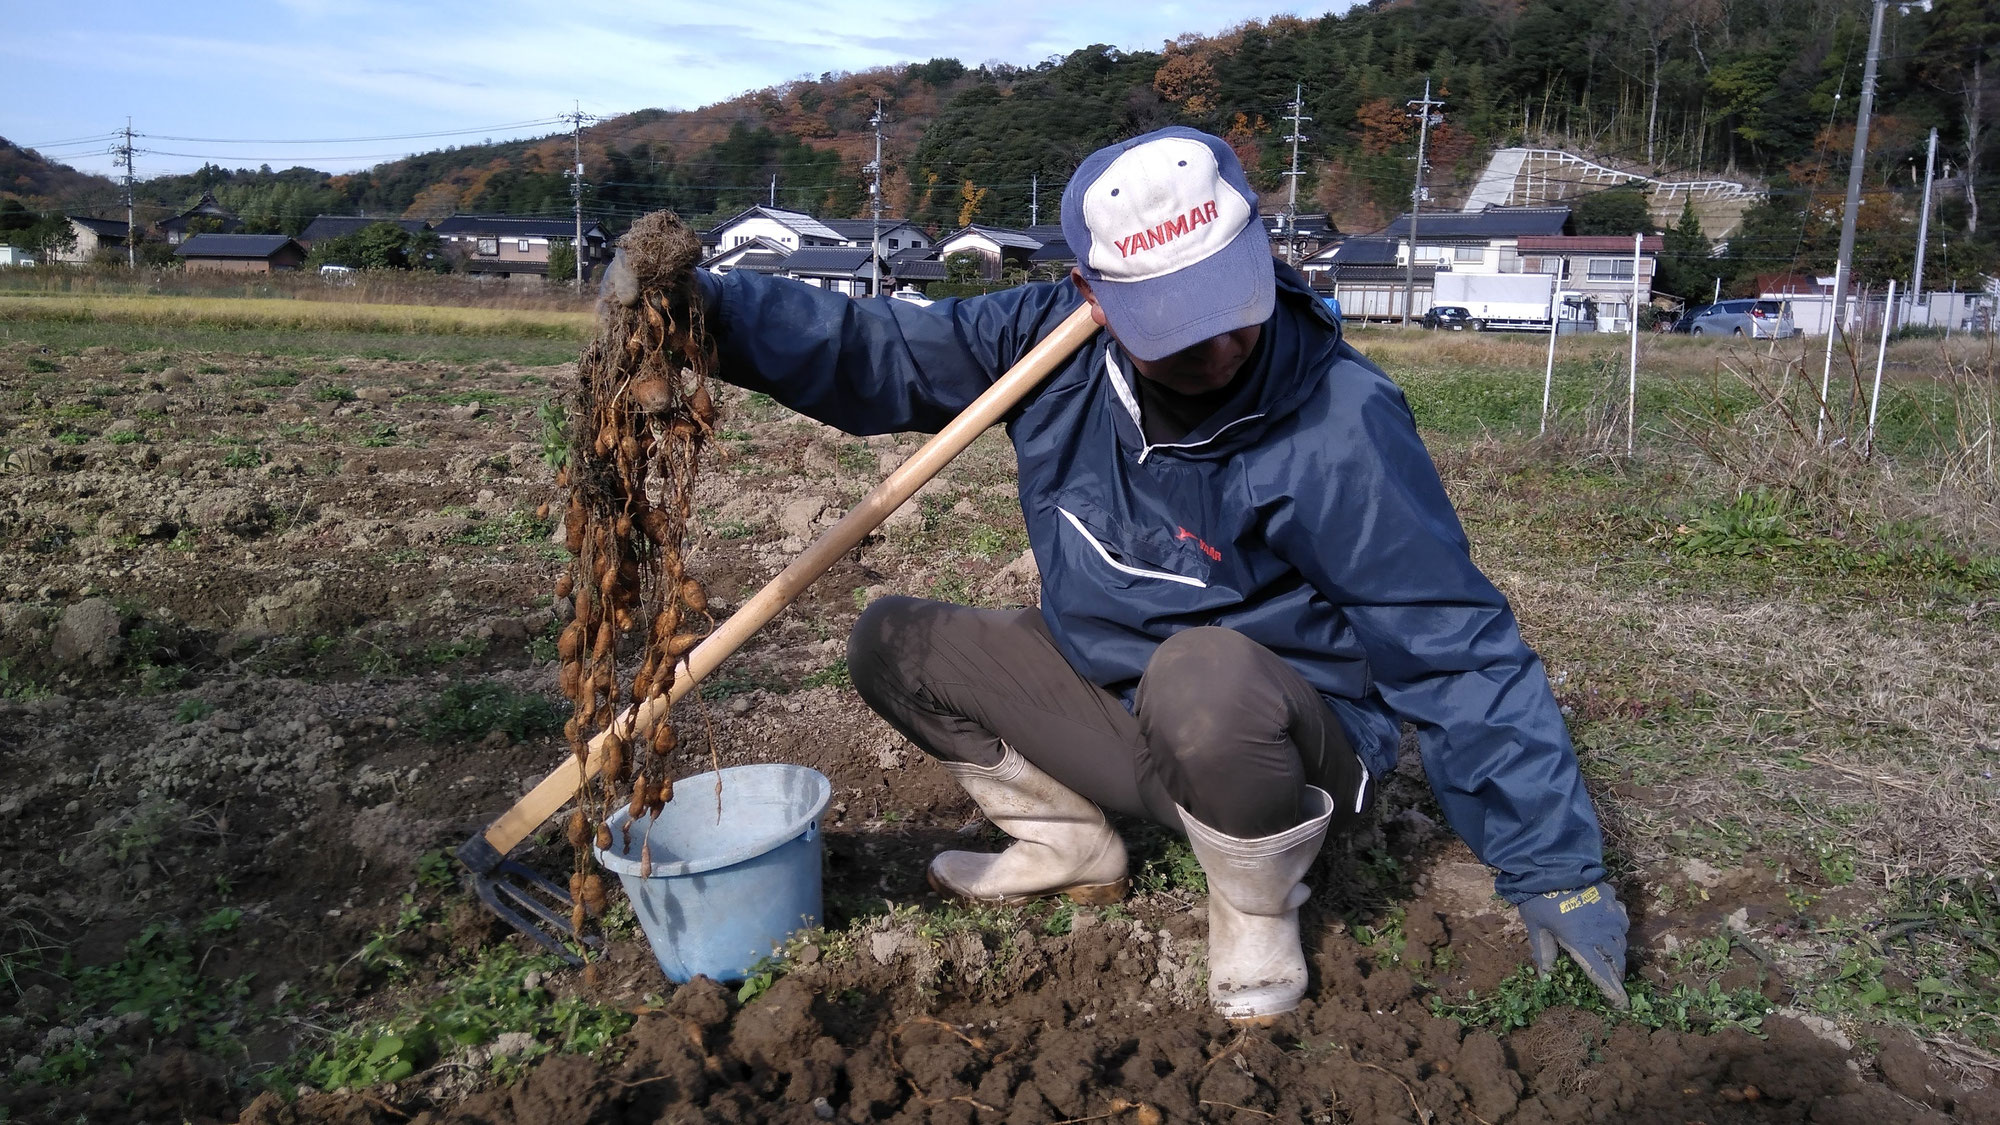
1220 725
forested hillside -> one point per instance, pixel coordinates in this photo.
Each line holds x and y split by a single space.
1757 90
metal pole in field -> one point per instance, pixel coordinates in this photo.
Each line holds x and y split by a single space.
1549 369
1826 372
1857 162
1923 229
1875 396
1717 299
1632 387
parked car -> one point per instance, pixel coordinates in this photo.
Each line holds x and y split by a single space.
1456 318
1759 319
912 296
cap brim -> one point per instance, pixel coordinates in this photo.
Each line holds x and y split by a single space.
1233 288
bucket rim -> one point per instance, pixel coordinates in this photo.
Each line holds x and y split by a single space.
620 865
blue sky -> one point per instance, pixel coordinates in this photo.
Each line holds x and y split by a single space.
320 71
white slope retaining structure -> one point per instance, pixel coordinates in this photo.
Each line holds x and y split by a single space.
1531 177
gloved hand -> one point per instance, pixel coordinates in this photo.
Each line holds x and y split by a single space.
1589 923
620 286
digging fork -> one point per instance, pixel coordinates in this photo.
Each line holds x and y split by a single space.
534 904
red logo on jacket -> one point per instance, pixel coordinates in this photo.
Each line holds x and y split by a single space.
1212 553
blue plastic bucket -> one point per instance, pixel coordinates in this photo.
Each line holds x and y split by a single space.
725 890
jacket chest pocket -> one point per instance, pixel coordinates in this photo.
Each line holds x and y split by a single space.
1141 555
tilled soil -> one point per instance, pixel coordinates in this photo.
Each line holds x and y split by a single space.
222 640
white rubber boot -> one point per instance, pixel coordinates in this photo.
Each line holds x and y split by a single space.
1256 967
1062 844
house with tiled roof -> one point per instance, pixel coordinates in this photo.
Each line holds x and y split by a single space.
93 236
794 230
997 247
240 253
205 217
840 269
508 247
758 255
897 235
324 227
1599 267
1484 241
1309 231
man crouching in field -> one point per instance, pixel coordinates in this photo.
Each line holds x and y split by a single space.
1251 575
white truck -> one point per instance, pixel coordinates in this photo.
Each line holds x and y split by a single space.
1497 301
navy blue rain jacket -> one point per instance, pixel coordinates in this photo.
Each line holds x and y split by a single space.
1306 514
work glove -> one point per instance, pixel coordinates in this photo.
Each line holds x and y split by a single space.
1589 924
620 286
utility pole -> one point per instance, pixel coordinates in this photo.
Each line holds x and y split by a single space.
576 122
123 154
875 203
1034 199
1297 119
1843 272
1923 228
1423 115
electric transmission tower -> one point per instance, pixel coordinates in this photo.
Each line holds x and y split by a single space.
577 120
874 169
1297 118
122 158
1425 117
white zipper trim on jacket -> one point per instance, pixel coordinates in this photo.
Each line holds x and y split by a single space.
1114 564
1124 393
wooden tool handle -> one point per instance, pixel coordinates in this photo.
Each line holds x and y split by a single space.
555 790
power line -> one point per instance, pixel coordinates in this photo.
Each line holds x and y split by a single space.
556 120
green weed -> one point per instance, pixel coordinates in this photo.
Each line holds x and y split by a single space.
555 433
127 437
279 378
855 457
477 1006
245 457
193 709
1525 994
452 652
16 684
41 366
333 392
833 675
517 526
210 369
1755 523
469 711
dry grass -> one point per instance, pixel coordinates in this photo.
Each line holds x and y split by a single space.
292 315
1778 721
374 287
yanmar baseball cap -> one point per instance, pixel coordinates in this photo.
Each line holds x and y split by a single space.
1165 229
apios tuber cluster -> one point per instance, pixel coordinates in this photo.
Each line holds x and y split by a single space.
637 424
